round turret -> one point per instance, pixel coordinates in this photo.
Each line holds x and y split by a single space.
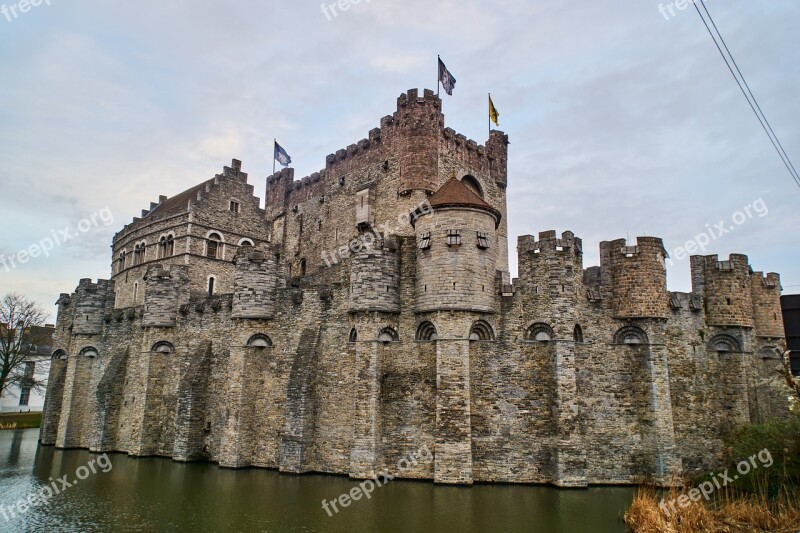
456 252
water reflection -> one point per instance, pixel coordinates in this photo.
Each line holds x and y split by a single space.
160 495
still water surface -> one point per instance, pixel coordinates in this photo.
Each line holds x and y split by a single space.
159 495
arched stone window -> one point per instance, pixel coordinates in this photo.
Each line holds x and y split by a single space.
540 332
259 340
770 352
427 332
481 331
59 355
137 255
353 335
577 333
246 242
214 246
630 335
121 261
89 351
163 347
724 344
166 246
387 335
302 267
473 184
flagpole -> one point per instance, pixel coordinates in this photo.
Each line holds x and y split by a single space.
438 74
490 115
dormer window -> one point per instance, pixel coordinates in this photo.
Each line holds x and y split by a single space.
453 237
483 240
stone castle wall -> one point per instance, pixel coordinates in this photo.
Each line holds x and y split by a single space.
341 343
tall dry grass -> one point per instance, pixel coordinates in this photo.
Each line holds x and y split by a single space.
730 511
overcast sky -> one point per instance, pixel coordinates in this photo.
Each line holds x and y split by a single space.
622 123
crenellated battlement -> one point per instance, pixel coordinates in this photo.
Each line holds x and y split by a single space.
637 277
167 287
549 242
89 300
726 287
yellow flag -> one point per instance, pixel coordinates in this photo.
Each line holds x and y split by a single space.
493 114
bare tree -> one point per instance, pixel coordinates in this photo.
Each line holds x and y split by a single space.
20 330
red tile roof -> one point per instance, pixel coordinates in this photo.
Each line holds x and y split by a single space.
456 194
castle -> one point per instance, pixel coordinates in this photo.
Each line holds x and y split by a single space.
367 311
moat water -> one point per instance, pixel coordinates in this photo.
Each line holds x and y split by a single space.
159 495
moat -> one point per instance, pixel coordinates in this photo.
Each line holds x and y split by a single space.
160 495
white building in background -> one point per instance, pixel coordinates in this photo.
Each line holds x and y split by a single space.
21 398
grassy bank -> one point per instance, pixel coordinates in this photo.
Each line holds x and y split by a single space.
765 498
20 420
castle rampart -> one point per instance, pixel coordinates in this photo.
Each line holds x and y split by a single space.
333 332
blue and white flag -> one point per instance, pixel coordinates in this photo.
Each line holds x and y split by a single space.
448 80
281 156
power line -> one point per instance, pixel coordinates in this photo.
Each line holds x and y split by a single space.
762 119
722 39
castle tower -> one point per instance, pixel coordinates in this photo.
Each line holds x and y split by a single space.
167 287
726 288
550 285
638 277
767 305
374 299
456 259
456 280
254 282
375 275
420 122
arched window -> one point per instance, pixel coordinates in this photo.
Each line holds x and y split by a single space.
89 351
166 246
211 285
473 184
259 340
577 333
214 246
630 335
59 355
302 267
387 335
137 255
481 331
353 335
121 261
246 242
540 332
427 332
723 344
163 347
